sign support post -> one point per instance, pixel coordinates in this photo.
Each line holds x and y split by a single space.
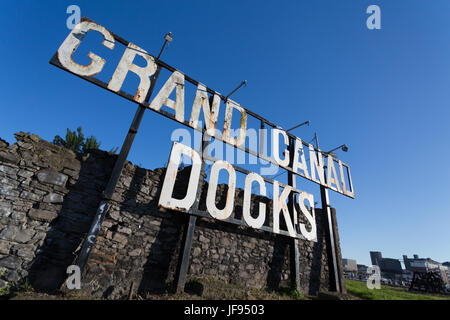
186 246
183 264
330 239
89 241
294 254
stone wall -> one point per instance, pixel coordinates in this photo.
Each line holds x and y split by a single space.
49 195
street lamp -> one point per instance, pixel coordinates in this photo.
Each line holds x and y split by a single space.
167 38
343 147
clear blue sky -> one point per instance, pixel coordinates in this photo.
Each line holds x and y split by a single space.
385 93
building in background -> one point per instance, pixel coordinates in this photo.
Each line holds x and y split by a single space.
375 257
350 267
389 267
417 264
362 271
392 271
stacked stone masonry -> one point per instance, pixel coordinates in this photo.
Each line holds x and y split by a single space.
49 196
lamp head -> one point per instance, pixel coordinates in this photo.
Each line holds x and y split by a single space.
168 37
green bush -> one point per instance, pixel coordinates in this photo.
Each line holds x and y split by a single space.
359 289
76 142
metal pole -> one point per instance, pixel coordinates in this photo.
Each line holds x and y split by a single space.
186 253
316 139
261 138
114 178
183 264
159 55
294 256
299 125
331 245
242 83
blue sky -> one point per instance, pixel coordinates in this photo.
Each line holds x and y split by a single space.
382 92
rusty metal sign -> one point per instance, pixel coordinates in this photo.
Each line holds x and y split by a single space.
335 175
288 202
295 229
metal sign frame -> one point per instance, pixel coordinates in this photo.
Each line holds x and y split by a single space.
264 122
241 222
143 104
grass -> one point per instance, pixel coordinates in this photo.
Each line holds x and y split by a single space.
214 289
360 290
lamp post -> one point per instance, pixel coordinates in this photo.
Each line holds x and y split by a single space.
242 83
167 38
299 125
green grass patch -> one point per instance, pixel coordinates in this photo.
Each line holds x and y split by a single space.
359 289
